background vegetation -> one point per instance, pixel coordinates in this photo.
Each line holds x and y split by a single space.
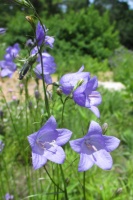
100 36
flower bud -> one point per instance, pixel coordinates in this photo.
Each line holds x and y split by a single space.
79 83
30 19
14 98
1 114
23 3
29 43
118 191
49 95
104 127
37 94
56 84
30 105
59 91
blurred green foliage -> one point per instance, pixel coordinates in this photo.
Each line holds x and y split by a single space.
83 37
18 30
84 32
119 12
21 120
122 66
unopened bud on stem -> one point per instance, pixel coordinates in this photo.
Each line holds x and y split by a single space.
23 3
30 19
104 127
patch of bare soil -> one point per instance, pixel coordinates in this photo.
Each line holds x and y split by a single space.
11 87
105 76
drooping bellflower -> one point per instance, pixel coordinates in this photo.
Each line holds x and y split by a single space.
12 52
8 67
46 144
83 89
95 148
49 67
87 96
69 81
42 37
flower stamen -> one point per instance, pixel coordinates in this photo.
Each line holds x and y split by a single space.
90 146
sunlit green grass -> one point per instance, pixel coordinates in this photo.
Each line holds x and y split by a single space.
17 175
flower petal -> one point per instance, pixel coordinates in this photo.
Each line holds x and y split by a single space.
95 98
63 136
40 34
95 110
38 161
81 69
32 139
68 81
48 79
6 72
49 41
94 129
92 84
2 30
85 162
111 142
57 156
79 96
76 144
103 159
50 125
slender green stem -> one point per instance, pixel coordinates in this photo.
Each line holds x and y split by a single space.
52 179
57 194
64 181
73 169
1 186
6 173
40 53
84 186
41 184
44 87
63 108
8 111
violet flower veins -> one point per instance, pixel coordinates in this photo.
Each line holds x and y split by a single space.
94 148
46 144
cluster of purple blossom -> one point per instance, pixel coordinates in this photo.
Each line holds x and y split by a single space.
49 66
8 196
8 67
46 144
